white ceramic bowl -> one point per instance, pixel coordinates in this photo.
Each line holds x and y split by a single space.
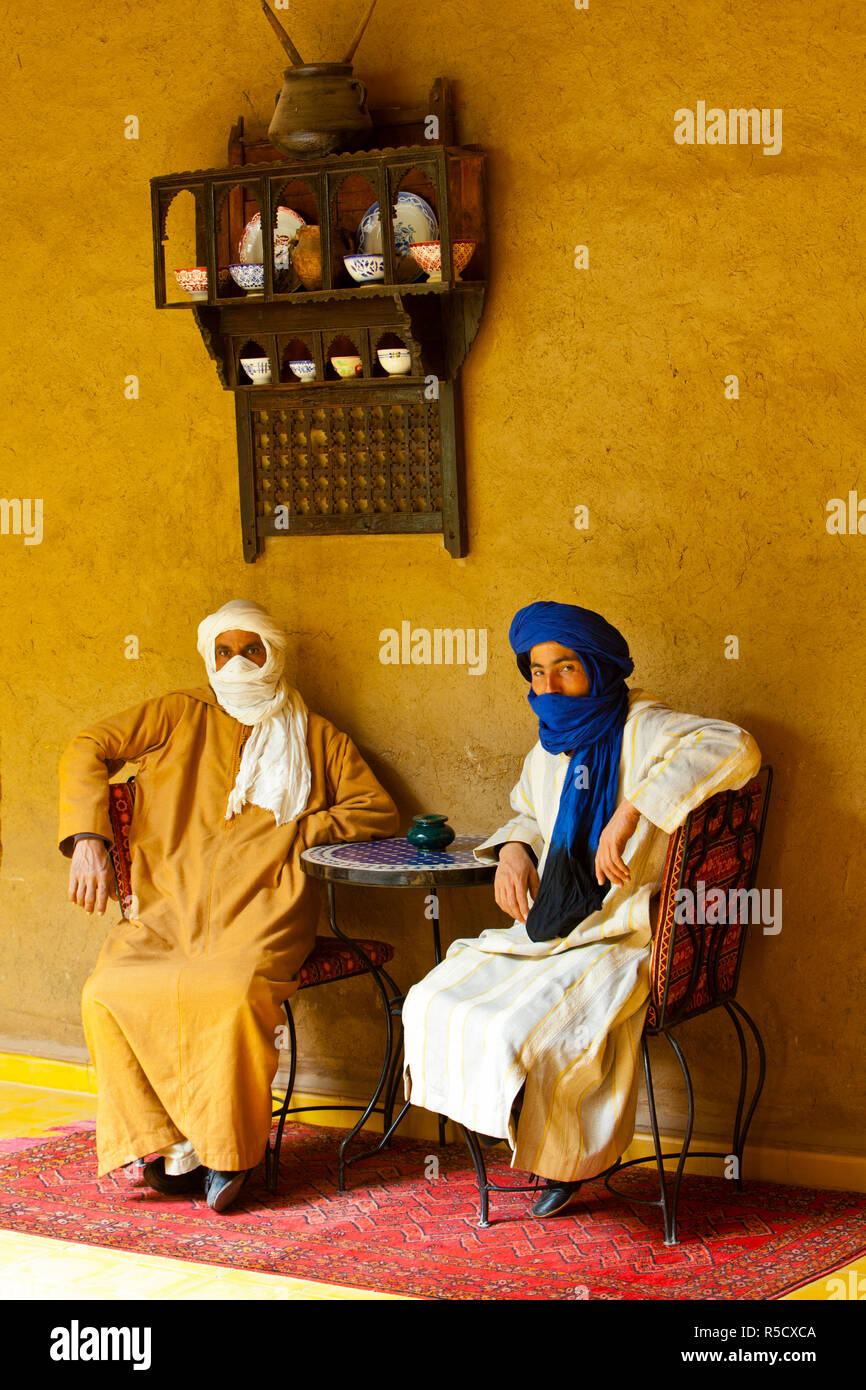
258 369
304 371
348 366
365 269
397 361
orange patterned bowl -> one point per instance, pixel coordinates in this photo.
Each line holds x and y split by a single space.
428 254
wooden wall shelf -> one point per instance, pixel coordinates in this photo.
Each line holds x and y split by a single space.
376 453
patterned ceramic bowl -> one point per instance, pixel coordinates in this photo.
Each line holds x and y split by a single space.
250 245
194 280
305 371
414 220
397 361
348 366
252 277
249 277
428 254
258 369
365 268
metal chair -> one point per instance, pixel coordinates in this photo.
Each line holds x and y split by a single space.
333 958
339 957
694 968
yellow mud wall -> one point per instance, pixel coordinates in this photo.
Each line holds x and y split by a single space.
602 386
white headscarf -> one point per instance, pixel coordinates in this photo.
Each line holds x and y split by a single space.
275 765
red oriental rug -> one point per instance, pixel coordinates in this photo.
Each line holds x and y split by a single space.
403 1229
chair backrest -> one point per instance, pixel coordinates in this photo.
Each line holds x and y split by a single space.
121 798
696 963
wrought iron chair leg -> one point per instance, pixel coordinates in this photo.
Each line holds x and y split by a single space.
393 1080
395 1124
687 1139
272 1158
736 1142
663 1191
759 1086
378 975
343 1161
477 1156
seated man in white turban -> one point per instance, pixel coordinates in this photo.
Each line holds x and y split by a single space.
182 1011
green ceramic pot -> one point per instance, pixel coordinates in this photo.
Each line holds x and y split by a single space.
430 832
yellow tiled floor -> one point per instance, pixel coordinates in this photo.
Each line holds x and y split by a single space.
33 1267
36 1268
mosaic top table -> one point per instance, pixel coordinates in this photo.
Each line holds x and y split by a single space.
394 864
398 864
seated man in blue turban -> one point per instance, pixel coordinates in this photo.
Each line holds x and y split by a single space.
549 1013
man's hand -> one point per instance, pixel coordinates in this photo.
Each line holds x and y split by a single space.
515 878
616 834
90 878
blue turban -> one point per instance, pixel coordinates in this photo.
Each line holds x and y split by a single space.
589 727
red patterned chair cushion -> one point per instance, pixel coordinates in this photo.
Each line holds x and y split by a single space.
121 798
698 964
330 958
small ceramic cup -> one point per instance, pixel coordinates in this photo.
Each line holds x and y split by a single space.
348 366
258 369
249 277
194 280
304 371
396 361
365 269
428 254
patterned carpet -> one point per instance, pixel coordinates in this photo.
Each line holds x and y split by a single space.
402 1229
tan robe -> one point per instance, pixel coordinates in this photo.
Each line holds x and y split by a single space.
182 1010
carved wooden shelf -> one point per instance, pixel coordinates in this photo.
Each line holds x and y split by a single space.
375 453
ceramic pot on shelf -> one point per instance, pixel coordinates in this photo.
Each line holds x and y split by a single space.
322 110
430 832
306 253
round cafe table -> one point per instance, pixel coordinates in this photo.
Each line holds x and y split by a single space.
394 864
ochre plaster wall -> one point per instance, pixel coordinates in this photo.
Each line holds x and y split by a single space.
602 387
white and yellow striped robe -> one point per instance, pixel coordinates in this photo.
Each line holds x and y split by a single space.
565 1016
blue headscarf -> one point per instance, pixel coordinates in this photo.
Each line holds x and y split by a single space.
589 727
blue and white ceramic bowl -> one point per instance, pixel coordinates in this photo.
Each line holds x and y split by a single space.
258 369
249 277
414 220
304 371
364 269
252 277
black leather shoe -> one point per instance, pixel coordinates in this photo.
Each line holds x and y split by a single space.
223 1188
554 1197
172 1185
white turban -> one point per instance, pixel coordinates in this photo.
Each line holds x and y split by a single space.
274 772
